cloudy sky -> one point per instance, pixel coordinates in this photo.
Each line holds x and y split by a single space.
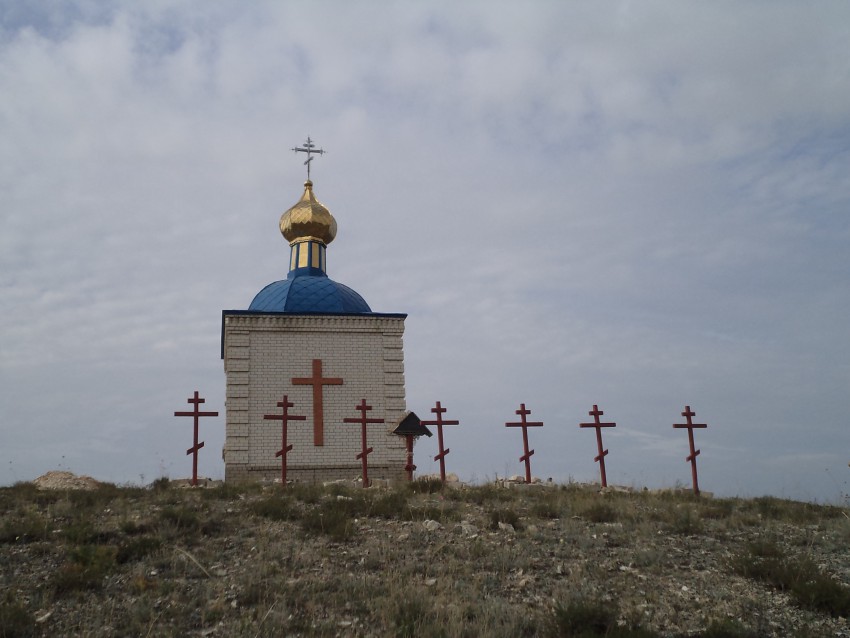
639 205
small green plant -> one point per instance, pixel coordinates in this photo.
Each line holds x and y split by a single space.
599 513
481 494
86 568
230 491
391 505
685 522
15 620
728 629
579 618
137 548
80 530
331 519
181 518
413 617
717 510
133 528
800 577
162 484
307 493
547 509
589 619
506 517
276 508
28 528
425 485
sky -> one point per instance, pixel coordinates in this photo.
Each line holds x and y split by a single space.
640 205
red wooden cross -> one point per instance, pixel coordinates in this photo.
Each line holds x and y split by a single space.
522 412
363 420
285 418
692 457
596 413
196 400
441 457
318 410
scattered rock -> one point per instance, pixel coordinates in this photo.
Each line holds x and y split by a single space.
431 526
42 616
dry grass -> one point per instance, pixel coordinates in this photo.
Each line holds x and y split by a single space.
255 560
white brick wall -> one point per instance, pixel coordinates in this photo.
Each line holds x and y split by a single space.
263 353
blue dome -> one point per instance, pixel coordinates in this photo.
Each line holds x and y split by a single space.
308 293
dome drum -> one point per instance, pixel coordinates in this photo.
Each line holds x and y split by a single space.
308 227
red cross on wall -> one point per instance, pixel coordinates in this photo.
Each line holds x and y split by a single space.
317 381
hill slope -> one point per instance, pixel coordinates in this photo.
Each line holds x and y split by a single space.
469 561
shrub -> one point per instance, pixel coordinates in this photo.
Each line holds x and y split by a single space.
24 529
507 516
132 528
728 629
275 508
330 519
308 493
392 505
86 568
582 619
442 513
685 522
230 491
413 617
717 510
425 485
599 513
137 548
801 578
15 620
161 484
181 518
578 618
546 509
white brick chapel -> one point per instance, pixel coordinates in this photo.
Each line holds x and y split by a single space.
318 343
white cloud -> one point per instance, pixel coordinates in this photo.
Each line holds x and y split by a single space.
637 205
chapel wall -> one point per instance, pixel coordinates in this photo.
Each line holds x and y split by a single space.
264 352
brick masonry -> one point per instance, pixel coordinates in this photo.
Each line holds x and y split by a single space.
263 352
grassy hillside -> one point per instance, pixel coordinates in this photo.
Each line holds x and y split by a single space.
417 561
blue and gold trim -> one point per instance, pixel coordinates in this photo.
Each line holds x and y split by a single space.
308 227
307 257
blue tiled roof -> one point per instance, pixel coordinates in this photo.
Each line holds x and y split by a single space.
308 293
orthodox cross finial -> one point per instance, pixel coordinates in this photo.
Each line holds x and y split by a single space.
309 148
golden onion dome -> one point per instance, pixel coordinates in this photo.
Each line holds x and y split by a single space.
308 219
